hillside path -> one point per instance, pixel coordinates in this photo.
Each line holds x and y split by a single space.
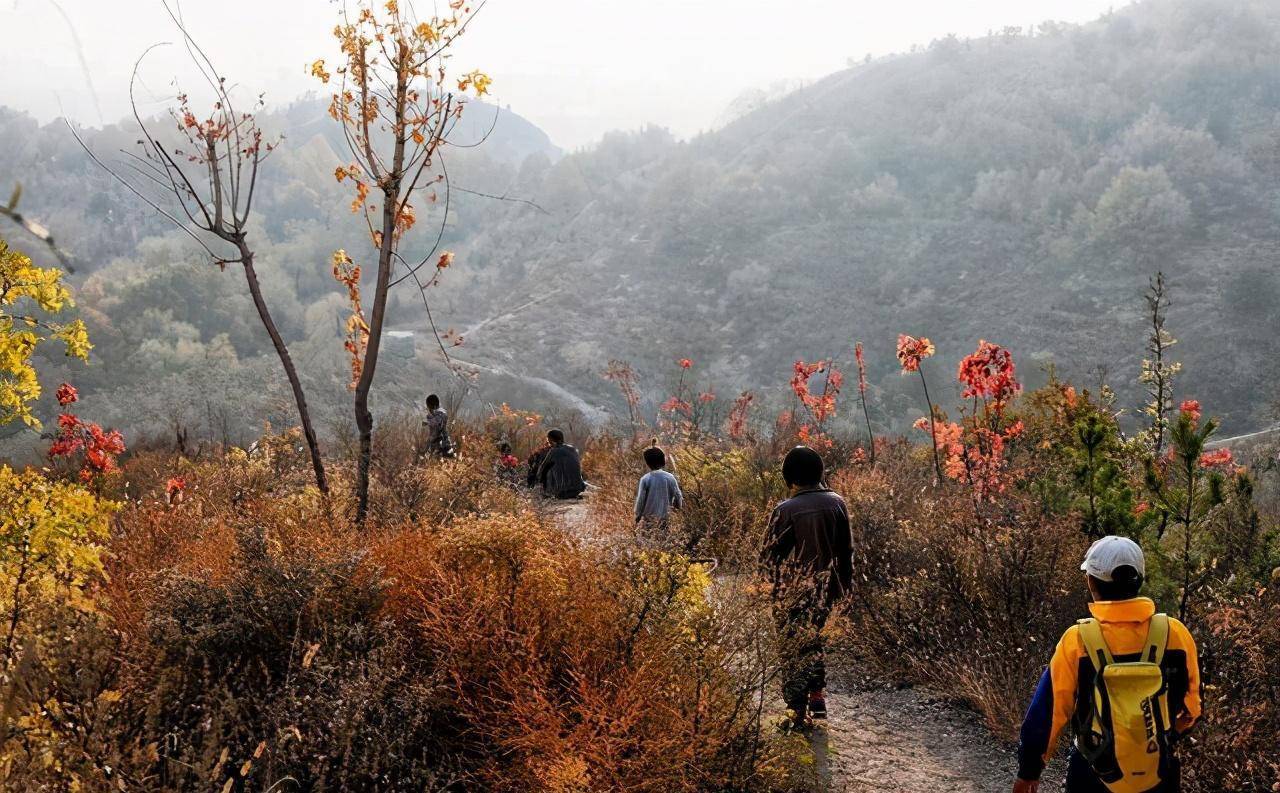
891 740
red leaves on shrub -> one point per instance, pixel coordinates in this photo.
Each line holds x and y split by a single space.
989 374
911 351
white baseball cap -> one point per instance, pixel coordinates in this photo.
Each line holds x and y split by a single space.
1110 552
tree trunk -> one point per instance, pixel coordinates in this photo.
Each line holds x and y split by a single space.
19 581
386 249
291 372
364 418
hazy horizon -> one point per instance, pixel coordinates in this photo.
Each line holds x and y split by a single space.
576 68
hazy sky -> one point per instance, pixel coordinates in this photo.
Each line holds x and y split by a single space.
577 68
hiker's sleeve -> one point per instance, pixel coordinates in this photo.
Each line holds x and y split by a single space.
777 542
642 493
843 547
1051 707
1033 739
1186 719
544 467
1064 672
677 497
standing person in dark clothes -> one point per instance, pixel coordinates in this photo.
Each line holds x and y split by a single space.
808 555
560 472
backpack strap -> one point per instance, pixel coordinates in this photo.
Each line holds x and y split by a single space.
1094 645
1157 639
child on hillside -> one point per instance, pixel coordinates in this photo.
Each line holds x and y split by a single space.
1160 693
437 423
507 465
808 555
658 494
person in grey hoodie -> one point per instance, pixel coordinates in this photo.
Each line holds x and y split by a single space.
658 494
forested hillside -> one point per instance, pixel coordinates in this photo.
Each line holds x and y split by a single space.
178 346
1016 187
1022 187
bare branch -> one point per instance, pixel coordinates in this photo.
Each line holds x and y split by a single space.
36 230
129 186
503 197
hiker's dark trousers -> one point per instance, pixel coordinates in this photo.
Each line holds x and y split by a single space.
801 647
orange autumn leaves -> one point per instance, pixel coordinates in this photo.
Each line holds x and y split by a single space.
356 329
394 86
397 104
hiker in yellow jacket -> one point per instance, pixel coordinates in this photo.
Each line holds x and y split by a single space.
1127 721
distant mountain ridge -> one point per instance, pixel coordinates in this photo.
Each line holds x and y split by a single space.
1015 188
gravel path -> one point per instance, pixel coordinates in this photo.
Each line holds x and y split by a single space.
884 739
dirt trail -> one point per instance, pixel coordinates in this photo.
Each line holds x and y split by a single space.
901 740
884 739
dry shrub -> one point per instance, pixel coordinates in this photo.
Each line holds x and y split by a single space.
968 604
285 666
1234 747
435 492
729 492
247 636
576 673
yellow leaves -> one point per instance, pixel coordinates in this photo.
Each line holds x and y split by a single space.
30 289
318 71
50 531
477 80
351 172
19 279
109 697
418 137
76 338
393 7
346 272
427 33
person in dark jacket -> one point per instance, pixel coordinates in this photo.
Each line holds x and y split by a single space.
560 472
808 556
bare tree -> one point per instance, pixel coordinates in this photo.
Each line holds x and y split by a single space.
396 105
208 180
